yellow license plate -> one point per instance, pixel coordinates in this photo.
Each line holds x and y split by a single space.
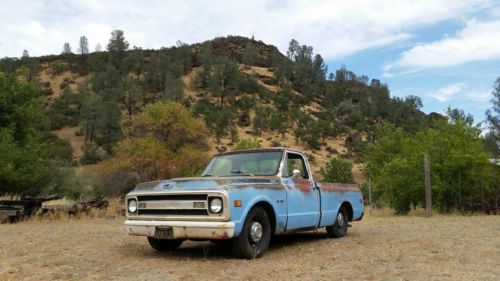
164 232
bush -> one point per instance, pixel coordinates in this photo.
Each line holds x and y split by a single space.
90 155
337 170
247 143
166 142
57 68
63 181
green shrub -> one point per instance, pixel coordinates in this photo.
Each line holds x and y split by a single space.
57 68
247 143
337 170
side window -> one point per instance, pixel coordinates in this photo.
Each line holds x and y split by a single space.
296 162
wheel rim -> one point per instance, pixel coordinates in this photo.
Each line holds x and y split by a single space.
256 232
340 219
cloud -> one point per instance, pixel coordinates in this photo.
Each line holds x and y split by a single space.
334 28
477 41
461 92
483 96
446 93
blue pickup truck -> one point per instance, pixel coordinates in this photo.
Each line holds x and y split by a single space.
243 198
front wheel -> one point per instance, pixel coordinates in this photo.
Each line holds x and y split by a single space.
164 245
254 238
339 228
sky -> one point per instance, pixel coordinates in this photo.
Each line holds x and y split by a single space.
447 52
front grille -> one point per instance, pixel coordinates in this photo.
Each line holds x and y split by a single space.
183 212
170 197
173 205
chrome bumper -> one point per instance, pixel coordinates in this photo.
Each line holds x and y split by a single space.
182 229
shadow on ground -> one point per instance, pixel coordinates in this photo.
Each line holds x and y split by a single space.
207 250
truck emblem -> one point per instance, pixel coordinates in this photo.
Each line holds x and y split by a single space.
168 185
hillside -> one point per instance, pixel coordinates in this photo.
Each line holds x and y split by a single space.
242 88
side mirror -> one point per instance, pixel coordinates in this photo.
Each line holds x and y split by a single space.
295 174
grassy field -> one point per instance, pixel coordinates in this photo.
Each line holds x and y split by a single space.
378 248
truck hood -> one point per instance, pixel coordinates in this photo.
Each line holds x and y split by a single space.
205 183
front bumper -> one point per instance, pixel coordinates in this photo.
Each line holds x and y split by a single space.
182 229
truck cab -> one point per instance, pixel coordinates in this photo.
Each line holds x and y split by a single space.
243 197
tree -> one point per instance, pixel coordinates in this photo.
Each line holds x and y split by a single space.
117 46
249 55
395 165
224 79
90 114
25 54
131 95
337 171
21 147
66 49
167 141
84 45
493 114
109 128
174 87
117 42
135 61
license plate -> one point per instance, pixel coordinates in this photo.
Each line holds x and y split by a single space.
163 232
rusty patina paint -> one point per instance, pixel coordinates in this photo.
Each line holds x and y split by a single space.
338 187
302 185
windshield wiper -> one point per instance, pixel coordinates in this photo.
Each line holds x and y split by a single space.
207 175
242 172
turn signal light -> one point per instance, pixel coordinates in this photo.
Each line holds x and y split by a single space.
237 203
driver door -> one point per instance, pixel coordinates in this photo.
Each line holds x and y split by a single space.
302 196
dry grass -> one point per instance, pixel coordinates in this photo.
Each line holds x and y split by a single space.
381 247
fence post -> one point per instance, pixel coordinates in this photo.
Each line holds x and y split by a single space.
428 192
459 189
482 194
370 194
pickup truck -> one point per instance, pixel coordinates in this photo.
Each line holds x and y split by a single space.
243 197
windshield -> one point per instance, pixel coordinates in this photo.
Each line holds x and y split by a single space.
244 164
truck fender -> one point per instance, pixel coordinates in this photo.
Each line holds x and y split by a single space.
249 206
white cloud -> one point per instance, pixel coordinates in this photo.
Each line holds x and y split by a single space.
334 28
483 96
460 92
446 93
477 41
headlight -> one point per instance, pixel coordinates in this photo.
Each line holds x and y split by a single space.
216 205
132 206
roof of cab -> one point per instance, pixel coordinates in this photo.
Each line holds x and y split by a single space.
250 150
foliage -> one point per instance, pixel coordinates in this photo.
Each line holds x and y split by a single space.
57 68
459 165
249 55
90 155
167 141
493 117
28 157
338 171
66 49
247 143
83 48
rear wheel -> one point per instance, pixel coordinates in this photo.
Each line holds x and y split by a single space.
254 238
339 228
164 245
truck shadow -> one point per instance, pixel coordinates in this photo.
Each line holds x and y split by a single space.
200 250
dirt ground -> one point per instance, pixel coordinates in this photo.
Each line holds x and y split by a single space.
377 248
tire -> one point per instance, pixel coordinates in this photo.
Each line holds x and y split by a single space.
164 245
339 228
250 246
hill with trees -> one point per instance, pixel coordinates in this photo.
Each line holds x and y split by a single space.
134 115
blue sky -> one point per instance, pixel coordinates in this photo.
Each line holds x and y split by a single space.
445 51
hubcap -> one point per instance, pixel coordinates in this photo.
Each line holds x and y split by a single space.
256 232
340 219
